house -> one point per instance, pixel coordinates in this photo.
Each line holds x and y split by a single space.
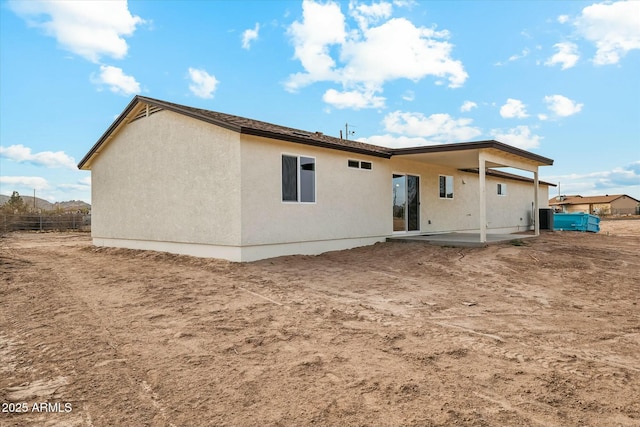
173 178
616 204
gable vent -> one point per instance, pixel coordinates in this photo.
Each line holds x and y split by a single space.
146 111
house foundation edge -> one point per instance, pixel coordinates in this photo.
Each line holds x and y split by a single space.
239 253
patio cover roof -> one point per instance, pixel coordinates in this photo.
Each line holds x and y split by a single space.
466 155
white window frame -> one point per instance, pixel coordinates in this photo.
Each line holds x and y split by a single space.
298 180
501 189
445 187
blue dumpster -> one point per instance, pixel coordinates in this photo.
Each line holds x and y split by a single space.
576 222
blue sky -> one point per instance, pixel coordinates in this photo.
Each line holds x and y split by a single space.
558 78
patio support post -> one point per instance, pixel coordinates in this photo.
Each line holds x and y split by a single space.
536 216
483 198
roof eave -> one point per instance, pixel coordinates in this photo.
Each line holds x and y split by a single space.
311 141
156 103
458 146
499 174
108 132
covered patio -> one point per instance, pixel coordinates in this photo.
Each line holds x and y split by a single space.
480 156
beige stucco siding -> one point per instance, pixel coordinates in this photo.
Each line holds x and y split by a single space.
353 203
577 208
623 205
168 178
514 209
350 203
462 213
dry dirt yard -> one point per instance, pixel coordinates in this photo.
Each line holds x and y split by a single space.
547 333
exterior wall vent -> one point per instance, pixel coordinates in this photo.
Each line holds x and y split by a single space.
146 111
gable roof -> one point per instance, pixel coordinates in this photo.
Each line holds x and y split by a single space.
579 200
248 126
241 125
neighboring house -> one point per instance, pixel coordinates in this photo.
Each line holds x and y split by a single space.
172 178
617 204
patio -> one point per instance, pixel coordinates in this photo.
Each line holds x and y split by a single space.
460 239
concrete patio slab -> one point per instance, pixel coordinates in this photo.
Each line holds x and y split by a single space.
459 239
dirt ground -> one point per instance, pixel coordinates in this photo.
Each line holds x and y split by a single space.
544 333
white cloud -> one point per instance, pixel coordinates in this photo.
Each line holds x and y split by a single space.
405 3
613 27
30 182
322 25
523 54
352 99
468 106
621 176
83 184
619 180
366 15
562 106
203 85
117 80
567 55
514 108
398 49
563 19
409 95
91 29
364 59
520 137
21 154
439 128
250 35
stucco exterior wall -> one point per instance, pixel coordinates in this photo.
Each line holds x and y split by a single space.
168 178
576 208
623 205
505 213
350 203
354 203
172 183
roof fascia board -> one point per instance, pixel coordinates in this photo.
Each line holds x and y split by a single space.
312 142
503 175
109 131
192 114
473 146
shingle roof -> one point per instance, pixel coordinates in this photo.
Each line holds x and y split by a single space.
268 130
579 200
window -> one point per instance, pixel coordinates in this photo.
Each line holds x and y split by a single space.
298 179
502 189
357 164
446 187
307 179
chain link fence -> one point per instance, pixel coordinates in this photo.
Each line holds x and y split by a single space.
44 222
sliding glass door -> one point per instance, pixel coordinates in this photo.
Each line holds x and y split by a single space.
406 203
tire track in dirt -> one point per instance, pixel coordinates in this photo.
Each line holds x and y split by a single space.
65 340
586 365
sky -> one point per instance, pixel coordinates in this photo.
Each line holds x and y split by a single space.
557 78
